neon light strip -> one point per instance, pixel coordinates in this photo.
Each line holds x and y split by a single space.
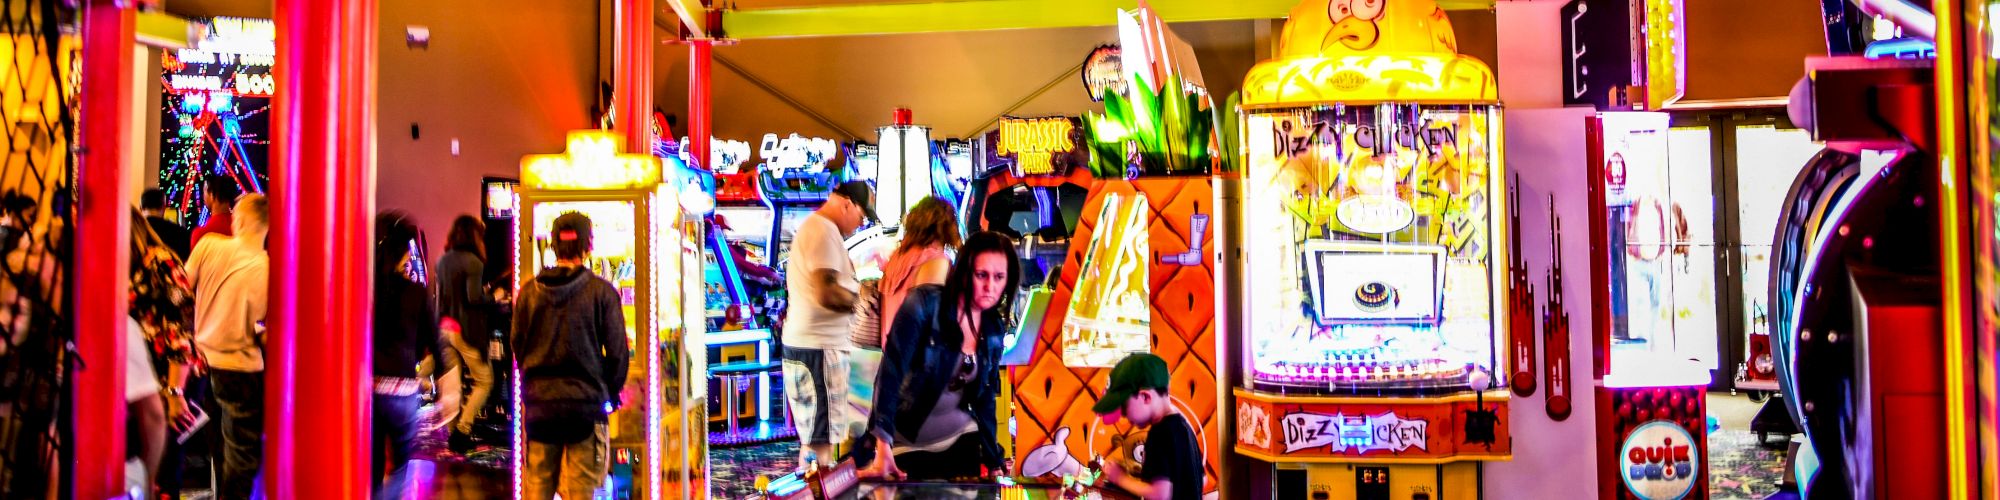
651 339
1045 206
519 453
1951 92
727 259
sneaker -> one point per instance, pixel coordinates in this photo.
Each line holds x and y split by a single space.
459 442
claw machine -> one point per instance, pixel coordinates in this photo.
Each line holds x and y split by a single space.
648 247
1373 299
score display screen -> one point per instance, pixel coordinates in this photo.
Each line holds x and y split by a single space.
1369 246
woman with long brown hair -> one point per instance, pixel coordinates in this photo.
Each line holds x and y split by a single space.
929 234
463 306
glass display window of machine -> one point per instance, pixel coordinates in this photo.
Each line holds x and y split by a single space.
1369 235
1655 276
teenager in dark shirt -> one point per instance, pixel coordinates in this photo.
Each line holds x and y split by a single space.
1172 466
569 337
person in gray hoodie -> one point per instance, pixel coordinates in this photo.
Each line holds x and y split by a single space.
569 339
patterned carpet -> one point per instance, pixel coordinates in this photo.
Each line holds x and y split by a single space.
1741 468
735 470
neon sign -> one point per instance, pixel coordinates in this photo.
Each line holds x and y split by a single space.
795 153
592 161
1035 141
726 155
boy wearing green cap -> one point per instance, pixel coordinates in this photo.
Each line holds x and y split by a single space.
1171 462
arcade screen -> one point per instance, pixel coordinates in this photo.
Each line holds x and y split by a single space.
1368 236
1660 253
215 112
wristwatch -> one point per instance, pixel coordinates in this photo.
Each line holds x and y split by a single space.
172 391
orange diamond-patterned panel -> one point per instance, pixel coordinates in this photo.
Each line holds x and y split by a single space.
1052 400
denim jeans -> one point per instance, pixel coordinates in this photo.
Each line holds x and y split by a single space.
241 396
576 469
395 441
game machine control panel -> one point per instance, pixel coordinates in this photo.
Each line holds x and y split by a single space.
1372 259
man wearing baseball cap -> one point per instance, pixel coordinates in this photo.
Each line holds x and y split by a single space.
819 279
569 337
1171 467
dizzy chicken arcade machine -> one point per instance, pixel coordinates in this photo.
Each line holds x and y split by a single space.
1371 274
648 247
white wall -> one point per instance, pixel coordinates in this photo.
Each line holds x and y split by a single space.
1545 155
506 78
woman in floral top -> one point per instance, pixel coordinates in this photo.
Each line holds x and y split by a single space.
162 305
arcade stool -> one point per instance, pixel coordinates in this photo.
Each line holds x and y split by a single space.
734 378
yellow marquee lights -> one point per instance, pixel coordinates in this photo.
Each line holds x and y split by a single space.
1666 52
1035 141
1408 78
592 161
1403 51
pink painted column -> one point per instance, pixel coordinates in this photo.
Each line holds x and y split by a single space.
632 90
701 123
103 226
317 390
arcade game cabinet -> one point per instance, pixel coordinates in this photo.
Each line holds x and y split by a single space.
1373 293
1138 275
1652 381
645 242
1857 297
742 352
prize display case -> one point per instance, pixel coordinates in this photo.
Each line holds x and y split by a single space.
648 247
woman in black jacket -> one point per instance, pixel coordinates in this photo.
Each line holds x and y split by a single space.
462 299
934 415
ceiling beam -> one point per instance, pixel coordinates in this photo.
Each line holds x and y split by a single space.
983 15
692 14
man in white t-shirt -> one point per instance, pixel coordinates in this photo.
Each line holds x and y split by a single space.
819 280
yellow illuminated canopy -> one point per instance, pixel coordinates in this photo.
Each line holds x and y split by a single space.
593 161
1360 51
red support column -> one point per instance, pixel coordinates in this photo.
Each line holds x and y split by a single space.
632 92
317 357
700 120
102 230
